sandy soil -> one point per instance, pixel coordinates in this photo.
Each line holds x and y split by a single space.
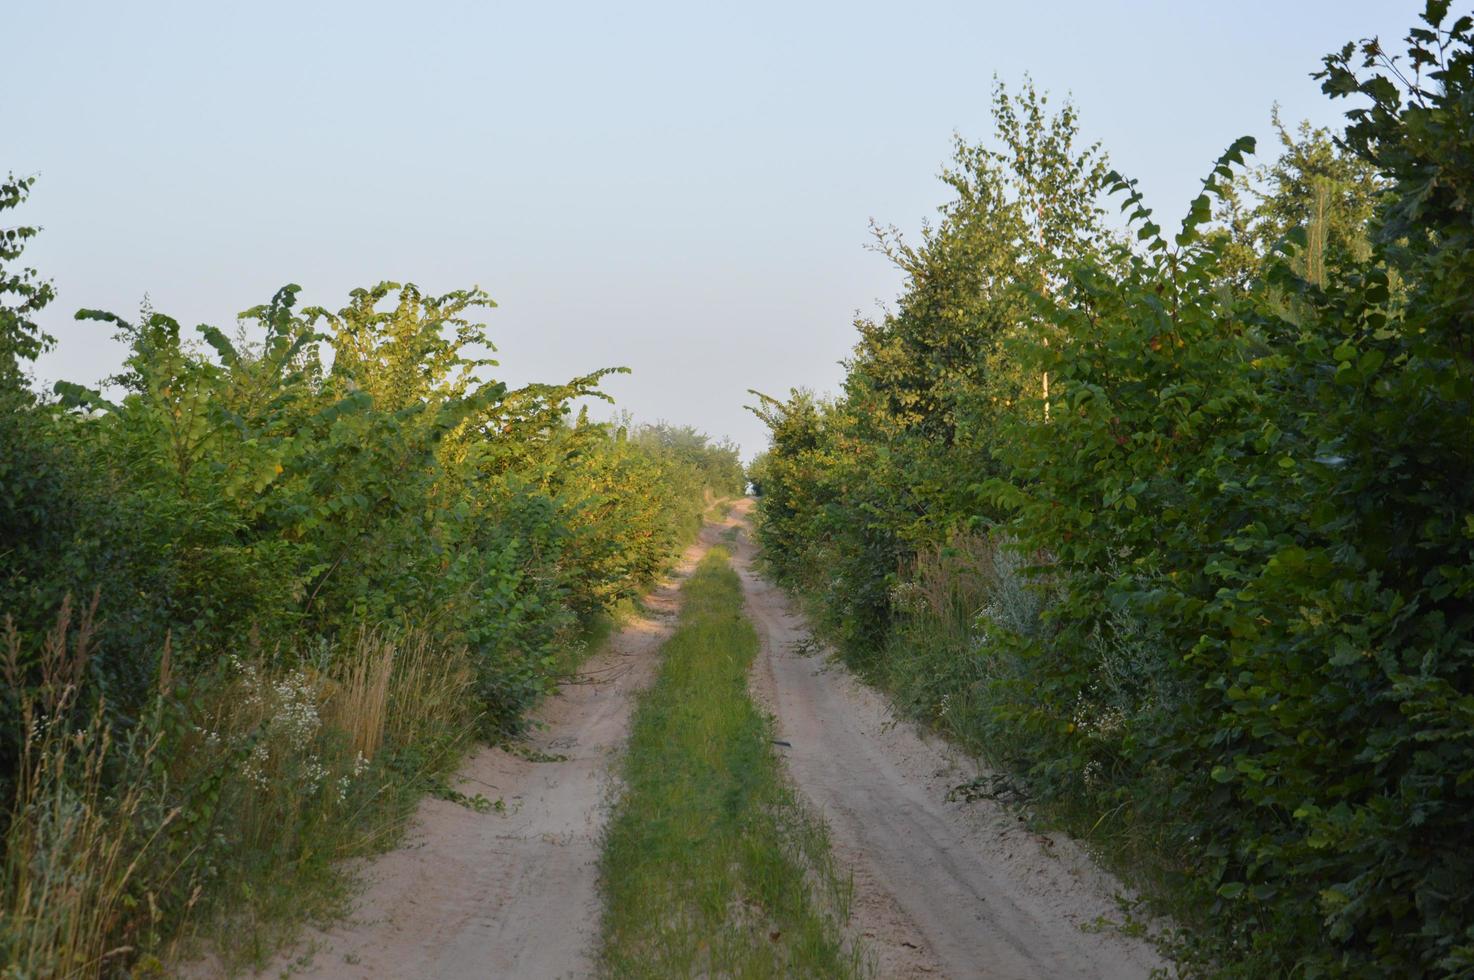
514 894
942 889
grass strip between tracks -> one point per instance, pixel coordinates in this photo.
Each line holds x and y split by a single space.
711 865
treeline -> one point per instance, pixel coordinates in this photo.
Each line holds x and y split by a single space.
257 597
1179 531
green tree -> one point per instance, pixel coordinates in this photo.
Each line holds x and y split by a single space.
23 294
1313 185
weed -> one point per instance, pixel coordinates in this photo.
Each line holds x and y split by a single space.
81 886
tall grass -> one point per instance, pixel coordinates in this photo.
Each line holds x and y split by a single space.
219 820
711 866
332 767
74 901
429 697
361 699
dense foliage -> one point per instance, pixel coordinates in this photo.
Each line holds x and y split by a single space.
264 520
1181 530
248 486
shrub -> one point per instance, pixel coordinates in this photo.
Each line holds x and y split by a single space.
324 555
1235 465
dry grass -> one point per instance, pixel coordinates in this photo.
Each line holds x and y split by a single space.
73 900
431 694
359 700
953 582
219 817
398 689
402 689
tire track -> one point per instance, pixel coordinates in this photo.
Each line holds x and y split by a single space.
941 888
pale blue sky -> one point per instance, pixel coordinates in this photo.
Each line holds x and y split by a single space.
680 188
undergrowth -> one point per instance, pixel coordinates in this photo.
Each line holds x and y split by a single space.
1176 528
944 670
324 554
219 821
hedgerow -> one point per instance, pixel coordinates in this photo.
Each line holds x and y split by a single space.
258 590
1232 469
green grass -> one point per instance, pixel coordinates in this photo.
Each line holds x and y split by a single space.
711 866
718 510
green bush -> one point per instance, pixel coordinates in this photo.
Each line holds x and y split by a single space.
1233 467
236 521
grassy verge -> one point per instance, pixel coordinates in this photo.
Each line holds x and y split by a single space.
220 818
219 823
711 866
296 876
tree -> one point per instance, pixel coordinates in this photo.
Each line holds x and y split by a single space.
23 294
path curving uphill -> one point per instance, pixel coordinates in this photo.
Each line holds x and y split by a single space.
941 889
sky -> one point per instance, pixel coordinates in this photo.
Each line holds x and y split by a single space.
683 189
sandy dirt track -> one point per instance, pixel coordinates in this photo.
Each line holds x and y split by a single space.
942 889
492 895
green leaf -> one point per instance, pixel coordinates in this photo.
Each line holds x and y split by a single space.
221 343
76 396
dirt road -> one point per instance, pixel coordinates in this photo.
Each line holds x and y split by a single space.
514 894
942 889
955 890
